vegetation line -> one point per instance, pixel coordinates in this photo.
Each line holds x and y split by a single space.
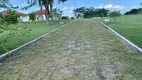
28 43
133 46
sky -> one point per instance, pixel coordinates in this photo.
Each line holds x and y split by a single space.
67 7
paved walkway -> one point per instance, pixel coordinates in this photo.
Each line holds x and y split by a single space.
83 50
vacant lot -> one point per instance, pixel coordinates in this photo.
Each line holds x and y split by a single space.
130 27
38 28
83 50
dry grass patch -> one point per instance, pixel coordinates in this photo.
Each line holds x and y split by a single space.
84 50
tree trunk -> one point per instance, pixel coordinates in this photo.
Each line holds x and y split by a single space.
47 19
41 13
47 14
114 22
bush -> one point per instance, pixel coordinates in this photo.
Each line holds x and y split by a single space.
65 17
11 17
32 16
115 14
1 19
1 16
5 21
72 17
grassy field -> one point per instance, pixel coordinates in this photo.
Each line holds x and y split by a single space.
83 50
38 28
130 27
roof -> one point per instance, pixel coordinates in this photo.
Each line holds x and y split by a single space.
6 12
38 12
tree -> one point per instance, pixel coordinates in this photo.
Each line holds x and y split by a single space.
11 18
134 11
65 17
90 12
5 21
9 31
5 4
80 12
32 17
59 1
56 14
114 15
72 17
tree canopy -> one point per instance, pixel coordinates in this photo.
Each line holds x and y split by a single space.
90 12
134 11
115 14
7 5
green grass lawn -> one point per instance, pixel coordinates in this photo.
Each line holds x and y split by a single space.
130 27
83 50
38 28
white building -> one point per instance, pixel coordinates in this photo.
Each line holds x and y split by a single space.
39 15
23 18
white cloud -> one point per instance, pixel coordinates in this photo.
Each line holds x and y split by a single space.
54 7
71 8
71 12
118 7
95 7
64 15
100 6
68 11
110 6
23 5
43 7
135 7
65 8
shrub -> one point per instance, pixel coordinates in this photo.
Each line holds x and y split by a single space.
5 21
72 17
32 16
11 18
65 17
115 14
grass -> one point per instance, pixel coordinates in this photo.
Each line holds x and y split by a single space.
83 50
38 28
130 27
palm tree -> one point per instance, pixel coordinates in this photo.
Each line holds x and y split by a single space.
47 4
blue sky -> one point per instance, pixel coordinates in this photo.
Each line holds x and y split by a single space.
67 7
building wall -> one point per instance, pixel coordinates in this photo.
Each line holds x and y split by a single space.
25 18
39 17
44 18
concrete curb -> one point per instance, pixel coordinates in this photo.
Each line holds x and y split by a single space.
28 43
123 39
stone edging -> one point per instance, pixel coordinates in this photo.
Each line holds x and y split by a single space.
28 43
123 39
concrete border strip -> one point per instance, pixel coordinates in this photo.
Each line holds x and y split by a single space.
28 43
126 41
